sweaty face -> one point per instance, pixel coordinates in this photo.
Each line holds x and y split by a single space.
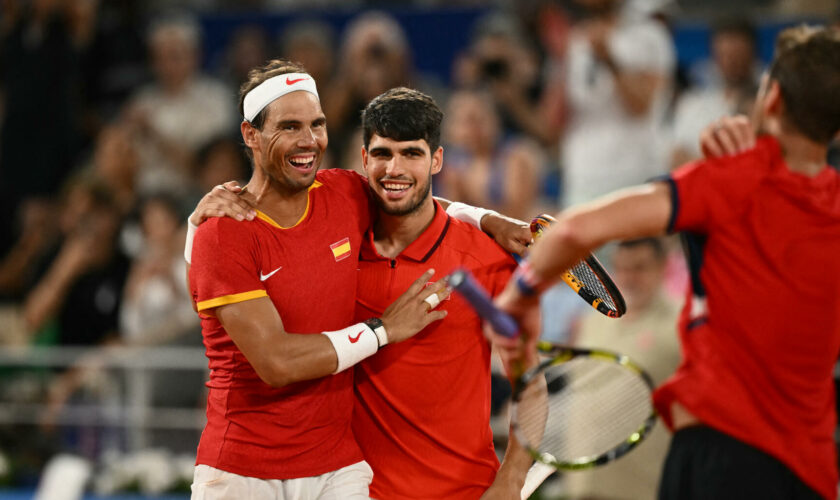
400 173
293 140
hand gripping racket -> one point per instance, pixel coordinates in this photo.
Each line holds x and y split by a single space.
588 277
578 408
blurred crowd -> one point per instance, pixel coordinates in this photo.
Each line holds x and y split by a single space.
112 127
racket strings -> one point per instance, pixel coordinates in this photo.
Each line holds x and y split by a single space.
583 273
591 407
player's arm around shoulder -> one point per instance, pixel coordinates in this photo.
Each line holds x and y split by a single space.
512 234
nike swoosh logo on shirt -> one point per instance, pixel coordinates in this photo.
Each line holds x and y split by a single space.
264 277
355 339
292 82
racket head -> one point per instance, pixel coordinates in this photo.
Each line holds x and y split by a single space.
588 277
580 408
597 287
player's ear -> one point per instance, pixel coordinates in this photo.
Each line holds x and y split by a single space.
437 160
249 134
772 101
364 158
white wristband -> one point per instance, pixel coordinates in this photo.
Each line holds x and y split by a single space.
381 335
468 213
352 344
191 229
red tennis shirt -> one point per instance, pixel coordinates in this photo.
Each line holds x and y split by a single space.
309 273
761 327
423 405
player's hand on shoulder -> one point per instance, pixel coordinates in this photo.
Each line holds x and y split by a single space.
728 136
415 308
511 234
223 200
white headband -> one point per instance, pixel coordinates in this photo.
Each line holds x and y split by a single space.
263 94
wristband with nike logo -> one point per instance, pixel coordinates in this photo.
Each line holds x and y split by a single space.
353 344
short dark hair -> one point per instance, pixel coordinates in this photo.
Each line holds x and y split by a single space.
403 114
807 67
655 244
258 75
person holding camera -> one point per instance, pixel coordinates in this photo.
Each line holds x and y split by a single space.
618 70
500 62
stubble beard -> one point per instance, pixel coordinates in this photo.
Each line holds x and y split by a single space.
411 207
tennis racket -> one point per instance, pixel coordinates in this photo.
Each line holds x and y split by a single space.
588 277
578 408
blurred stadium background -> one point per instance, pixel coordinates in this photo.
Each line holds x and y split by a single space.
117 115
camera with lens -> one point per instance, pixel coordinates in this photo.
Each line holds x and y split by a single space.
495 69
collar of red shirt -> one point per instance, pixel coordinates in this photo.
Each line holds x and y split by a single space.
420 249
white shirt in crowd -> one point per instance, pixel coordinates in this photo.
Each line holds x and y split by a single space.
605 148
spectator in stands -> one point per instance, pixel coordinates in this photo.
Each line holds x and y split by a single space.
156 305
647 333
178 113
77 300
115 164
310 43
220 160
500 61
375 57
112 169
248 48
734 81
618 66
483 167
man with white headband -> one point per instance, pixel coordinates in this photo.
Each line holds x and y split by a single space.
410 428
280 403
302 243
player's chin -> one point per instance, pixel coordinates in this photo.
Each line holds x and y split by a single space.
398 207
299 181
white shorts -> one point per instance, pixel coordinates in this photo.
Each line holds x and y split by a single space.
349 482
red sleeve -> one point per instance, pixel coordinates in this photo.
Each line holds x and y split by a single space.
709 192
225 264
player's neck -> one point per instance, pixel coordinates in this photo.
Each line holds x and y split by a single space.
803 155
283 206
393 233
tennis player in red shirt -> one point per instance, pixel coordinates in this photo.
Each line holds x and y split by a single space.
753 402
423 407
280 403
422 414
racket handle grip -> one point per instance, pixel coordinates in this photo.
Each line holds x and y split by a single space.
463 282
